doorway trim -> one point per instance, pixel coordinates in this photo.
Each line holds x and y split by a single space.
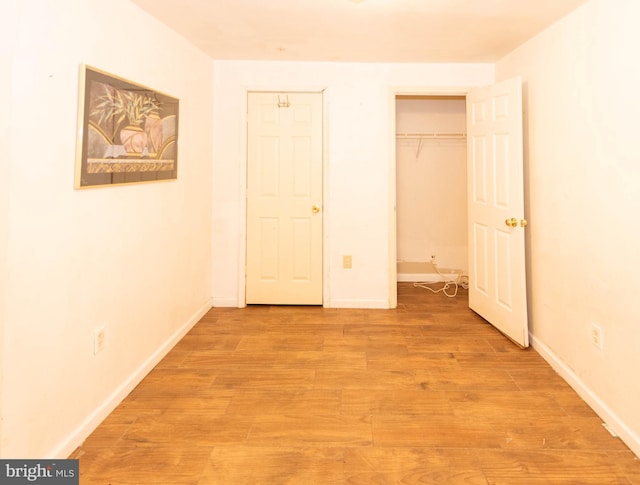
394 92
242 203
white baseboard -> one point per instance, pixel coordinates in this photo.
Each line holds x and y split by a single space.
329 303
358 303
613 421
427 277
93 420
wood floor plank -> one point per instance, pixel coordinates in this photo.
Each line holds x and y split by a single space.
551 467
497 404
365 378
364 402
228 360
369 329
627 463
569 400
435 431
208 340
560 433
261 343
412 465
186 430
211 401
110 432
269 465
456 378
556 432
412 361
139 464
292 431
145 404
428 393
174 359
541 377
269 378
371 344
435 343
286 402
176 381
525 359
320 360
298 329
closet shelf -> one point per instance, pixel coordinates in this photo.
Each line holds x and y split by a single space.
438 136
421 137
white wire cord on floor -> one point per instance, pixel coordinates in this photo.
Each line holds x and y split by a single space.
460 282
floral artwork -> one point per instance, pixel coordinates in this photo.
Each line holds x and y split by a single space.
129 133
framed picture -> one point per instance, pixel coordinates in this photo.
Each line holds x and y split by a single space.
128 133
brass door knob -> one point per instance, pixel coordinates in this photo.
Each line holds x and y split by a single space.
524 223
315 209
513 222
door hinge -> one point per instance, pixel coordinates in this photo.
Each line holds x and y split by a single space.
283 103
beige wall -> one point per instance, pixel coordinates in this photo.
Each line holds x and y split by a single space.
581 79
432 182
359 182
8 30
136 259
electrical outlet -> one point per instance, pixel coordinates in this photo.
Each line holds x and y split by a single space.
597 336
98 340
347 261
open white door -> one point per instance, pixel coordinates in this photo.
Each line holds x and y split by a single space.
497 280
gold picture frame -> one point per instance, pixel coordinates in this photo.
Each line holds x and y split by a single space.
127 133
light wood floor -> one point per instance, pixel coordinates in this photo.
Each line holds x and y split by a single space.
427 393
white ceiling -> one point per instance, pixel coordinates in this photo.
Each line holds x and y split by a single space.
359 30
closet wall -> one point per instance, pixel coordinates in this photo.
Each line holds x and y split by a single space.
431 185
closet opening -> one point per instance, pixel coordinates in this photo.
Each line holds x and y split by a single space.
431 191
